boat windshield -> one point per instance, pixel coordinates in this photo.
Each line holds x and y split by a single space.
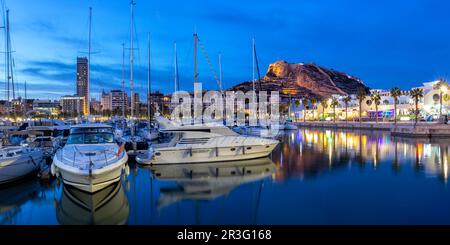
90 138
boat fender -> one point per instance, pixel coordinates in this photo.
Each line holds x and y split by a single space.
121 148
54 170
91 164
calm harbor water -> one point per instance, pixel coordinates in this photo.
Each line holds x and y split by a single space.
313 177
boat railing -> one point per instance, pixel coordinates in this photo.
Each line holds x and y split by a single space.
90 163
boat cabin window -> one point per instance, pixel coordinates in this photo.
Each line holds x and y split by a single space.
90 130
90 136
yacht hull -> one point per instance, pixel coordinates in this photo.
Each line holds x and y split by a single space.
205 155
92 182
19 167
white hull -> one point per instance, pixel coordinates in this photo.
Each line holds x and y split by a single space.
204 155
12 169
90 180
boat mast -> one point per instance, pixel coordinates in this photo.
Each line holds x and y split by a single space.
195 58
149 100
176 81
253 63
123 80
9 75
25 100
220 71
131 59
87 102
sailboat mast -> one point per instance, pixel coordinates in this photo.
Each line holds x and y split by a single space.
176 85
149 100
7 57
25 89
253 63
195 58
11 61
25 100
220 72
88 107
123 80
131 59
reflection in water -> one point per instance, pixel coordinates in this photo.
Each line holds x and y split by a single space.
13 196
308 153
208 181
106 207
313 177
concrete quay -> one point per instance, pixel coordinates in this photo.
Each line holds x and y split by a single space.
403 129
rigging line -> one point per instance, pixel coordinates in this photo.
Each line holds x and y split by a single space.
210 65
257 69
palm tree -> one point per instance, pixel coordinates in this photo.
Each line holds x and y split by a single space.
376 98
304 103
346 100
395 93
360 95
441 85
313 103
297 104
333 104
324 104
416 93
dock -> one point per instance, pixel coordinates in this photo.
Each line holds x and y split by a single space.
403 129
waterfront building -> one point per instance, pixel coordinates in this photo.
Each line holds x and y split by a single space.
431 101
96 107
50 106
119 99
429 106
3 107
83 82
105 101
72 105
114 101
160 102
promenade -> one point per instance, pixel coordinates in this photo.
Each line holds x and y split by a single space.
407 129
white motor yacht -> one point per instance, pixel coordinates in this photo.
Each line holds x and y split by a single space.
18 161
91 159
203 143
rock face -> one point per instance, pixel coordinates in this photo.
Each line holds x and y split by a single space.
304 81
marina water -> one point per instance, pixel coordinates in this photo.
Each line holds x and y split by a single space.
314 176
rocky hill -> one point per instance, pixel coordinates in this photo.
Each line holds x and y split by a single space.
304 80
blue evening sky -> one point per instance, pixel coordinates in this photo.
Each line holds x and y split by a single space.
384 42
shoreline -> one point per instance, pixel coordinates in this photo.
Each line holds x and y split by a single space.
403 129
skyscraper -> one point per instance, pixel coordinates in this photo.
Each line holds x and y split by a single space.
83 82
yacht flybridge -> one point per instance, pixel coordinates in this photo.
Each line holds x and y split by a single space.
204 143
91 159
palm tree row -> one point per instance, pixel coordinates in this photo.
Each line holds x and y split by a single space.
361 94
